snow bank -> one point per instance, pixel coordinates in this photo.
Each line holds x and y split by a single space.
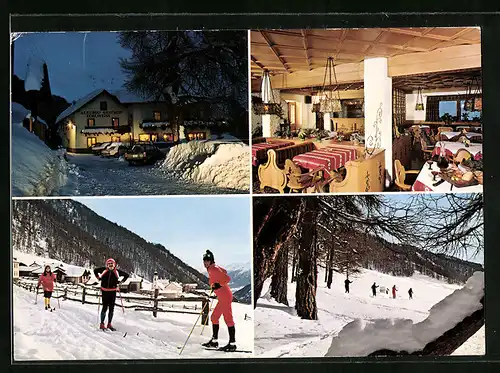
360 337
223 163
36 169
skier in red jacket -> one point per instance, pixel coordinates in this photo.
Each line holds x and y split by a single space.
219 280
394 292
47 280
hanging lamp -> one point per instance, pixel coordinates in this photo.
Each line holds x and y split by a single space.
268 106
419 106
330 100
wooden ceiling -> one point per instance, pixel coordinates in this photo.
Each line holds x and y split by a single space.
291 51
409 83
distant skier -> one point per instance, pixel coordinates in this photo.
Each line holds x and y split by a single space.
410 293
219 280
394 292
346 283
387 290
47 280
374 289
109 276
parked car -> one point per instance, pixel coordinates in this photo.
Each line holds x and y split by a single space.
112 150
97 149
144 154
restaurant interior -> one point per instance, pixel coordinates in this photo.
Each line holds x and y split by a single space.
366 110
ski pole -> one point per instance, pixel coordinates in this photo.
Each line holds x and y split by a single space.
209 309
57 295
36 294
98 305
121 301
196 322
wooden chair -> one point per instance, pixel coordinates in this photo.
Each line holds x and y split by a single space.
299 182
442 129
426 149
462 154
401 175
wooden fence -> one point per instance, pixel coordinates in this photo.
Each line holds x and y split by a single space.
86 293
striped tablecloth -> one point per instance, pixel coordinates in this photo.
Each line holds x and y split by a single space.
267 146
328 158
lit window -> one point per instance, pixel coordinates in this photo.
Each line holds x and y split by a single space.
143 137
115 139
90 122
115 122
157 116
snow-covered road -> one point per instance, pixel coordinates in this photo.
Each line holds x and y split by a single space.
91 175
71 333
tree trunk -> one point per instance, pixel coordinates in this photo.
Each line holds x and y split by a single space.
280 277
274 220
305 296
330 269
449 341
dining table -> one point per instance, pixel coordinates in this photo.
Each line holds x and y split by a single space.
425 182
448 135
270 144
328 159
452 147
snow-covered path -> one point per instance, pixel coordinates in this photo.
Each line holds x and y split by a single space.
71 333
280 333
92 175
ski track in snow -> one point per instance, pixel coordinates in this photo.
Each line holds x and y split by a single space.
280 333
71 333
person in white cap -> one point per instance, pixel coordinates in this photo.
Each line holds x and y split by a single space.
109 277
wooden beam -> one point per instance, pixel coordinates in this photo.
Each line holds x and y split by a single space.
255 61
446 59
271 45
306 48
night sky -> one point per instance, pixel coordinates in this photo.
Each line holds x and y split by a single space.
70 76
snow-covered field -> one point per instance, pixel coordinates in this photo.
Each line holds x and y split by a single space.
280 333
71 333
36 169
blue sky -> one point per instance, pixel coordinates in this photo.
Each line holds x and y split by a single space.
71 75
187 226
406 198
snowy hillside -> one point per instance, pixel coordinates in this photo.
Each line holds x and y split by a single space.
71 333
280 333
69 231
223 163
36 169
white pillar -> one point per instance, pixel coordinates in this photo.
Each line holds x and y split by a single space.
266 125
378 101
327 122
266 97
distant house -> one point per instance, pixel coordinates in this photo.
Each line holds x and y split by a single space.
171 290
76 275
33 124
186 288
131 284
15 269
25 271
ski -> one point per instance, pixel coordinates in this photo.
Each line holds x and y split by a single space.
221 350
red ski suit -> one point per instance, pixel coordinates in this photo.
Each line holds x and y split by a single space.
224 295
47 282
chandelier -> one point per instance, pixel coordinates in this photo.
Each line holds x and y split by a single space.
268 106
330 99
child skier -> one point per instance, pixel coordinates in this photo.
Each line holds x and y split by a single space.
47 280
374 289
410 293
219 280
109 276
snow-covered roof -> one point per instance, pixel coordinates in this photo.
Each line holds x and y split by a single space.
74 271
79 104
34 74
25 268
19 112
98 130
132 279
37 119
